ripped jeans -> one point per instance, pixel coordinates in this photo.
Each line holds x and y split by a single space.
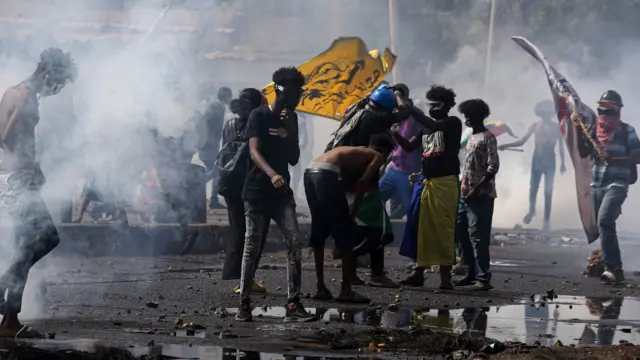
258 216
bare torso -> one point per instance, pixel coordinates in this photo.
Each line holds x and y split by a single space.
18 119
546 135
351 160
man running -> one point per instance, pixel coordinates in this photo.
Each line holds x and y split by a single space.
327 181
272 132
21 179
547 133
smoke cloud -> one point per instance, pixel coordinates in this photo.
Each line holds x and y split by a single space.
88 127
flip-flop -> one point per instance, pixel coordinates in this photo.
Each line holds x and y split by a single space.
26 332
355 298
323 294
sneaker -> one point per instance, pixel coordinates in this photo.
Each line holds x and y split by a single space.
481 286
244 312
612 277
256 288
297 313
465 281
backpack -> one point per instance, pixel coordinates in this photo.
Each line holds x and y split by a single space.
633 167
232 162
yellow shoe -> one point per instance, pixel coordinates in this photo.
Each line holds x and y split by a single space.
256 287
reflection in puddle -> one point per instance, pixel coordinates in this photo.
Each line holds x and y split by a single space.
89 349
577 320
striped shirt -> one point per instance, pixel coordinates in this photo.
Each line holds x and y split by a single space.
614 174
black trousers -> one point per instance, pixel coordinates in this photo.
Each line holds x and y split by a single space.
234 246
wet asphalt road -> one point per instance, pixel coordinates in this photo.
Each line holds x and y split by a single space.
107 298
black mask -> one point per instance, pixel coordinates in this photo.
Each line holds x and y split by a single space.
437 109
289 97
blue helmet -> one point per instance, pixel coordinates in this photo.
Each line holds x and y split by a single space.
384 98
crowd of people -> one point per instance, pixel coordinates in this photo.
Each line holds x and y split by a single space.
448 202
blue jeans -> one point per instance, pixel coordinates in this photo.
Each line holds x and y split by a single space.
462 234
607 204
538 169
475 247
394 182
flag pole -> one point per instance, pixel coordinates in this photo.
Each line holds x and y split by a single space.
393 34
489 46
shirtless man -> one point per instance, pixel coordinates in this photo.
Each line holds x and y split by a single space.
326 182
547 133
21 179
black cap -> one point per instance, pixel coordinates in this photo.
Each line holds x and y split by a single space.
611 96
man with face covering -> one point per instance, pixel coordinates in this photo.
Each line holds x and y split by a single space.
272 132
214 120
547 134
616 153
21 179
248 100
429 234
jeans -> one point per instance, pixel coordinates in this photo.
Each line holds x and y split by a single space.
538 169
462 234
394 182
479 211
607 204
259 215
235 245
35 236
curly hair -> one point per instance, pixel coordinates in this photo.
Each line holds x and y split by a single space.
288 76
59 63
441 93
475 109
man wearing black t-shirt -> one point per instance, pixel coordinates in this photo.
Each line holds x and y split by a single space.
430 230
272 132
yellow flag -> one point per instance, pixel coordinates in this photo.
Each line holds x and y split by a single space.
340 76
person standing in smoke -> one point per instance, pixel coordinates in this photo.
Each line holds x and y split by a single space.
231 187
478 188
272 132
395 181
429 234
547 133
214 121
375 114
614 169
328 181
21 179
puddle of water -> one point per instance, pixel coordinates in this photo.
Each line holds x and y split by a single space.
572 320
60 350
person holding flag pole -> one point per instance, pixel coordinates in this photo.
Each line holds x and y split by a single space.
615 149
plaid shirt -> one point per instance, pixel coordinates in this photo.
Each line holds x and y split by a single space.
482 159
603 175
